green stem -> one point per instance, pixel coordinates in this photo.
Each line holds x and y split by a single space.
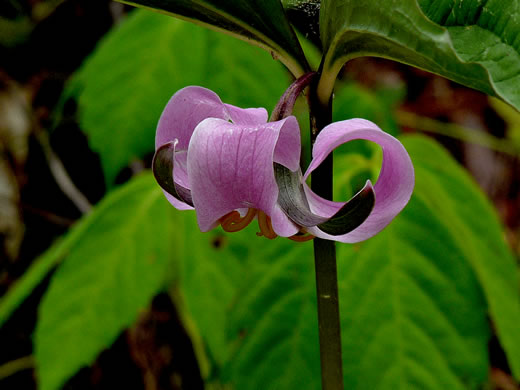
15 366
325 263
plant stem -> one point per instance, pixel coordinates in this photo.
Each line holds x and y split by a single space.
325 262
15 366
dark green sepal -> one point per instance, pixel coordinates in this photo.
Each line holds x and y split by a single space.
162 166
293 201
352 214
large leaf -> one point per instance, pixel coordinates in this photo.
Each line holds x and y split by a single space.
273 321
125 85
469 41
212 270
112 269
470 219
415 300
261 22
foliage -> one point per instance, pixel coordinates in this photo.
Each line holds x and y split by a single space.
112 269
261 22
469 41
135 92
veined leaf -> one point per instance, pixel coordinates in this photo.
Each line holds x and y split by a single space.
469 41
472 216
415 299
124 86
261 22
118 260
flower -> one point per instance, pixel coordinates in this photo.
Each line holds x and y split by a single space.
231 165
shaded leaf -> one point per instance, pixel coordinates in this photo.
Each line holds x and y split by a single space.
261 22
305 16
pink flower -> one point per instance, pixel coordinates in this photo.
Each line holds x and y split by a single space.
232 166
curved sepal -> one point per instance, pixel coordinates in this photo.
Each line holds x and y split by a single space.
352 214
162 165
293 201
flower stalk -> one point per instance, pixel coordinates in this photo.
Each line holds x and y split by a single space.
325 261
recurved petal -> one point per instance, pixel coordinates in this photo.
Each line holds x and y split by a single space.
184 111
190 106
164 164
247 116
394 186
230 167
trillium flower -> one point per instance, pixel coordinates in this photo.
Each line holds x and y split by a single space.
231 165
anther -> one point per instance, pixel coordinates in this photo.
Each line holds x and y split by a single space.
233 222
266 229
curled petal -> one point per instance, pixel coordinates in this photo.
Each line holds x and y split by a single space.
352 214
185 110
190 106
246 116
163 167
231 167
393 188
293 201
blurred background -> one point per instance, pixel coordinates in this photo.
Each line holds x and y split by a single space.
50 175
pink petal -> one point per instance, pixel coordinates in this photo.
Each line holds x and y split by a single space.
178 204
190 106
246 116
185 110
394 186
230 167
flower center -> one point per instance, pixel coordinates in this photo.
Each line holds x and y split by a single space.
233 222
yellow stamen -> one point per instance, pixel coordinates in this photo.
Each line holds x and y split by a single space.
266 229
301 237
233 222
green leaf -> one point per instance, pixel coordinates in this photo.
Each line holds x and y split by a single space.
125 85
273 322
415 299
469 41
261 22
240 290
112 270
212 269
470 219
